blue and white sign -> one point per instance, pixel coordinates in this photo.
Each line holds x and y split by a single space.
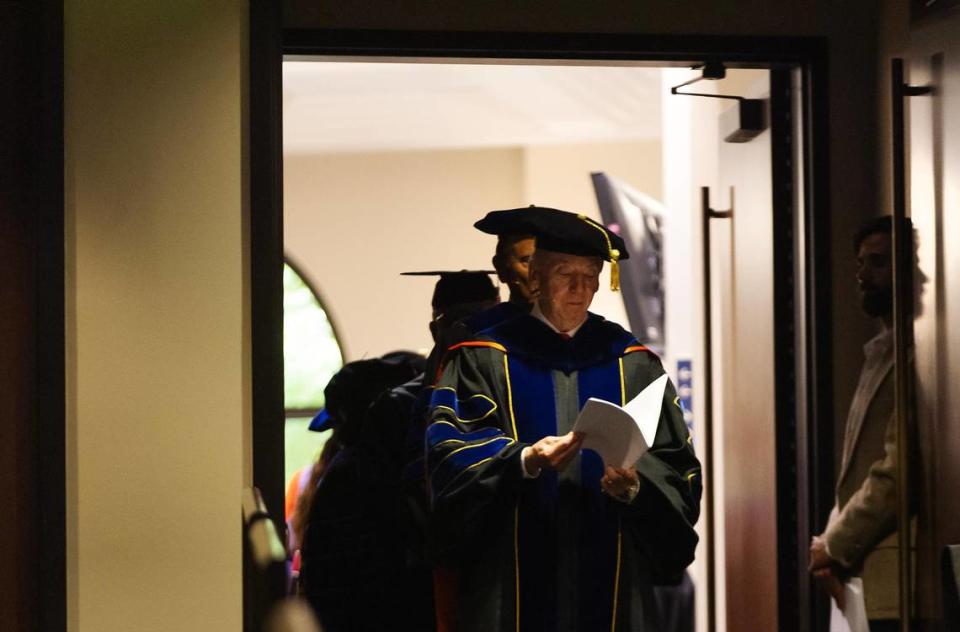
685 390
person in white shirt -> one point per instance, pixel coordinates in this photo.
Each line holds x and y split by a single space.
860 539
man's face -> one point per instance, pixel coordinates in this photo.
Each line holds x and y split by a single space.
514 268
875 275
567 284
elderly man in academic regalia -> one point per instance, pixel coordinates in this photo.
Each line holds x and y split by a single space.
533 533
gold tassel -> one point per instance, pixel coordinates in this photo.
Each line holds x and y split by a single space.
614 270
613 252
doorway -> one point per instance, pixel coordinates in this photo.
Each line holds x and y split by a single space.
788 232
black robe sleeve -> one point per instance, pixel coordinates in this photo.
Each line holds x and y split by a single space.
661 518
472 464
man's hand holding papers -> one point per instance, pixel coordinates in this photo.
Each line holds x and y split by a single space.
621 435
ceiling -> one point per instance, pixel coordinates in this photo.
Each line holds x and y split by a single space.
361 106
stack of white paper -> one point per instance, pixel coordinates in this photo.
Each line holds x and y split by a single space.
620 435
853 617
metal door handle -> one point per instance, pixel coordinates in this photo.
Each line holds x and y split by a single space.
708 213
902 247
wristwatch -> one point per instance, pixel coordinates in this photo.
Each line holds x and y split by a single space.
632 492
629 494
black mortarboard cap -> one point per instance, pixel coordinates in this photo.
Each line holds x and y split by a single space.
460 286
514 221
561 231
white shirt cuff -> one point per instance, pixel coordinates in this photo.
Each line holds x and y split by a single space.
523 468
826 547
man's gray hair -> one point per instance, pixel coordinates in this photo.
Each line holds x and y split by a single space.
542 257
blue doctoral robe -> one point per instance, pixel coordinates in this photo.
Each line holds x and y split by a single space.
552 553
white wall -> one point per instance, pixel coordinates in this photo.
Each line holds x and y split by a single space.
689 162
354 221
158 343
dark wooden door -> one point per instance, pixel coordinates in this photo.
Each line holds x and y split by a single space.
32 488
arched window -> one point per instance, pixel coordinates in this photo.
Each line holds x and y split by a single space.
311 355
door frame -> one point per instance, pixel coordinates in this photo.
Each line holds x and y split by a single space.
804 451
33 316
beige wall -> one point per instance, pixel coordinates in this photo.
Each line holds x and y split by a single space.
157 374
352 222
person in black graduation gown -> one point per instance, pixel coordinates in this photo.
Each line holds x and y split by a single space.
363 559
534 534
349 560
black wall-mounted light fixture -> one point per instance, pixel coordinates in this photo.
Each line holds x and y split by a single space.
752 112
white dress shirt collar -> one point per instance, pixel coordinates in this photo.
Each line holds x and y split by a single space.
880 346
537 313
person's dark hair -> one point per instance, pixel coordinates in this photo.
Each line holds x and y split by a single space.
877 225
298 522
